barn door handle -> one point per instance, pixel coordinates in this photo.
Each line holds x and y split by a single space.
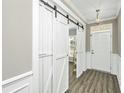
92 52
44 55
62 57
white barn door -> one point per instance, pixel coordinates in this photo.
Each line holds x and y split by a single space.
46 50
60 52
80 52
101 50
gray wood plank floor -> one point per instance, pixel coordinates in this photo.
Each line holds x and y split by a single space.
92 81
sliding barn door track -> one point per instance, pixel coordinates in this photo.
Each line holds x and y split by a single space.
57 11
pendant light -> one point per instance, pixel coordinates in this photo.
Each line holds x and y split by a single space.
97 15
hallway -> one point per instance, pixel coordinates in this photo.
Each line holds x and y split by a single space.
92 81
61 46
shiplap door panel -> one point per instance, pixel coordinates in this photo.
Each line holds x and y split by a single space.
80 52
60 50
101 50
46 50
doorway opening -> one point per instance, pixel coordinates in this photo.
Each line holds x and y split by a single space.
72 54
76 54
72 47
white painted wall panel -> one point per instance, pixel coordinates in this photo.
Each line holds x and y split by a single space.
88 60
18 84
116 66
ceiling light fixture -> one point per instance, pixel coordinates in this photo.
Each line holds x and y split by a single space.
97 15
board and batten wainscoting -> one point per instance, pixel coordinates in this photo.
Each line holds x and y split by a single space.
18 84
115 64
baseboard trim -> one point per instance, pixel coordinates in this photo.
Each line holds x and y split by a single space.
16 78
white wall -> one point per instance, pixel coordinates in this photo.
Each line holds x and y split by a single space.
17 37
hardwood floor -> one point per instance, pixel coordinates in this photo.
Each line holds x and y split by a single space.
93 81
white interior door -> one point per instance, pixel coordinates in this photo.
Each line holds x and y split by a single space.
46 50
101 50
80 65
60 50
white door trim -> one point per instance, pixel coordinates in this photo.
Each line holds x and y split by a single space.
35 46
111 36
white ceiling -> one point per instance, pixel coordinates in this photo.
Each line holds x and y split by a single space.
87 8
